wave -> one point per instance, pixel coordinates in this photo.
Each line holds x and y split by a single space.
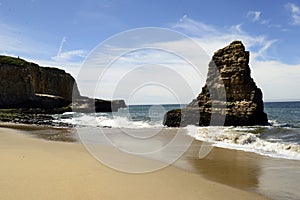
248 139
276 123
104 120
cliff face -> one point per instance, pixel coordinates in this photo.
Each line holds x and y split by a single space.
229 89
15 85
27 85
53 81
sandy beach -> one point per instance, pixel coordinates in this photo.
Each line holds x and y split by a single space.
33 168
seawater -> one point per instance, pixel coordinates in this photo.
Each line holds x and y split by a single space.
281 138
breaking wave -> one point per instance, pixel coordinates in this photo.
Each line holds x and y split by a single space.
278 142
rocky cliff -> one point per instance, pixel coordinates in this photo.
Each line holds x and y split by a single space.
27 85
53 81
230 96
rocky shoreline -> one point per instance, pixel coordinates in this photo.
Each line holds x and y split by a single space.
62 134
19 117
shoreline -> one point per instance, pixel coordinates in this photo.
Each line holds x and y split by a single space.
62 134
34 168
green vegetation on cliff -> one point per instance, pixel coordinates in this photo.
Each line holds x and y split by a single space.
12 61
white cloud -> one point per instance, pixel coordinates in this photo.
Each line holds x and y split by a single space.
262 52
254 15
70 55
295 13
237 28
212 38
278 81
64 39
194 27
168 65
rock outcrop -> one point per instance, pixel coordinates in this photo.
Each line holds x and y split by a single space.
85 104
27 85
230 96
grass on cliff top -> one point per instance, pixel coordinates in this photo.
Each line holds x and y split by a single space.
12 61
20 62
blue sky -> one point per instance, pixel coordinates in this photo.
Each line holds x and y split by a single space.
63 33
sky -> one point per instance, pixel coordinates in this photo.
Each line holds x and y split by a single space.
66 34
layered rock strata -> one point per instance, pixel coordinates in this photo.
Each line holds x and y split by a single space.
230 96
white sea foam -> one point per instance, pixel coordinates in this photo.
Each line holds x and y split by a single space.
241 138
122 122
275 123
276 143
104 120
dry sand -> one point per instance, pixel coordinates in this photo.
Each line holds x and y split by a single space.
33 168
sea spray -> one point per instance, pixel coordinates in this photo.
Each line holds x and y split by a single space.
241 138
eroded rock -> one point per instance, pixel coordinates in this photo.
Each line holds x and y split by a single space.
230 96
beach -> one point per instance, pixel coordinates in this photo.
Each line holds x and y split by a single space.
130 100
33 168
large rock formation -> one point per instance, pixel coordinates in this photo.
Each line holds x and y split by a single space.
27 85
230 96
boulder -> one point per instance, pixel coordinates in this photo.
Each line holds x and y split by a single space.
230 96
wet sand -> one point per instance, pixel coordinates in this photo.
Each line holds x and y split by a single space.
32 168
275 178
45 132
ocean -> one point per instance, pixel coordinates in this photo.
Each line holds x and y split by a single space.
280 139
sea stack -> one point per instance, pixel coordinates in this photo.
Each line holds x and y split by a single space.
230 96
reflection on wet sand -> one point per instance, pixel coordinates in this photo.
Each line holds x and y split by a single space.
230 167
274 178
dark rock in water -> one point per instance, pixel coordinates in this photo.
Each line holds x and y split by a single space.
86 104
37 89
109 106
230 97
